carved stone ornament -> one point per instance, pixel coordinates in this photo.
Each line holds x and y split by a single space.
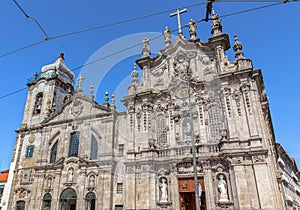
159 71
186 167
31 138
131 110
180 65
77 108
130 169
259 159
238 160
245 88
22 192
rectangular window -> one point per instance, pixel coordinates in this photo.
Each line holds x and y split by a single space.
119 207
29 151
1 191
74 144
121 150
119 188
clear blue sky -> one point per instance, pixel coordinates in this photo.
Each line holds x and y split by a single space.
270 38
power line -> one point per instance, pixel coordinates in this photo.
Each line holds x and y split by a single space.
94 28
250 10
138 44
12 93
261 1
27 16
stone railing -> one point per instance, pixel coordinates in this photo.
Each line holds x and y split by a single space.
183 151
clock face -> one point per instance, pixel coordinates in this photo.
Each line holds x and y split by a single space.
31 138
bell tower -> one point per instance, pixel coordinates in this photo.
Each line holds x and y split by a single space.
47 91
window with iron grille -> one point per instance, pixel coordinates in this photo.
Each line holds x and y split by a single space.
215 122
161 131
119 188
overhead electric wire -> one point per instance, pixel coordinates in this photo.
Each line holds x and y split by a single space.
133 46
12 93
95 28
250 10
27 16
124 21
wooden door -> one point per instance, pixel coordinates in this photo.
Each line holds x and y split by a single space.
187 199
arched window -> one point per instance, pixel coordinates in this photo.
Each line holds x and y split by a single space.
186 129
29 151
38 103
53 153
74 143
215 122
47 202
20 205
68 199
94 148
90 201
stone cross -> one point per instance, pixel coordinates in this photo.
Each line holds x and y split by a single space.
79 85
178 12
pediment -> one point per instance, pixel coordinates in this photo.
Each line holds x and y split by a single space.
78 107
191 49
79 162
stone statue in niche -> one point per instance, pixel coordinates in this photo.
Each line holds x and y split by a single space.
70 175
199 193
186 129
49 183
222 187
164 190
92 181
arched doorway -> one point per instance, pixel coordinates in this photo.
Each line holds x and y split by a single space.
90 201
20 205
68 199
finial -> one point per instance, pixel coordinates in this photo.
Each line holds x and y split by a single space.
134 73
113 100
106 99
216 25
192 29
167 36
146 48
237 47
35 75
91 92
79 85
61 55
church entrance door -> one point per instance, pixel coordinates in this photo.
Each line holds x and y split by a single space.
68 200
187 200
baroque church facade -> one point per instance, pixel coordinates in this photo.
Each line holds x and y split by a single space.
73 153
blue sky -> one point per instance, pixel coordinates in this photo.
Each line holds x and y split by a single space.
270 38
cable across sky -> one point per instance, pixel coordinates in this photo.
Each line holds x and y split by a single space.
130 47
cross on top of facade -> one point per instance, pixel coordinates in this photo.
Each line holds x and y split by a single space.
178 12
